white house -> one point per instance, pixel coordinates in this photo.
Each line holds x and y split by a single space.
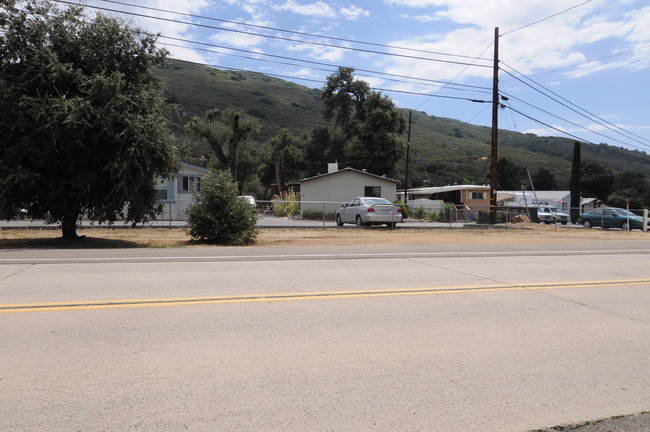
175 193
326 192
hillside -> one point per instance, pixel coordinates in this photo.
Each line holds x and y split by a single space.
443 151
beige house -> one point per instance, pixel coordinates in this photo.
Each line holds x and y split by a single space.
470 197
326 192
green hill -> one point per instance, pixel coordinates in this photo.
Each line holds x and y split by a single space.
443 151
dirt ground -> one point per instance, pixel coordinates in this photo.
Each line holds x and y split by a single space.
167 237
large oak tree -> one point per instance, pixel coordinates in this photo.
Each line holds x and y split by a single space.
82 118
369 120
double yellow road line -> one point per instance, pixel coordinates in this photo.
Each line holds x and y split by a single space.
324 295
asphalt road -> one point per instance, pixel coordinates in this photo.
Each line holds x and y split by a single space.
381 339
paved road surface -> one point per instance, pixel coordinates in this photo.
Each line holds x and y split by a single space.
323 339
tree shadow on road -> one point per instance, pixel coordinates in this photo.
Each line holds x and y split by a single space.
65 243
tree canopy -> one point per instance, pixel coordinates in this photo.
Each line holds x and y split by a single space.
82 117
226 131
370 122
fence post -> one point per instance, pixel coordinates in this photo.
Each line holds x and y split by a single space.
323 214
645 220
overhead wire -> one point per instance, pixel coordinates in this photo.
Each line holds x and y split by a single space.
367 51
575 65
613 127
320 82
575 108
545 19
423 81
509 105
290 31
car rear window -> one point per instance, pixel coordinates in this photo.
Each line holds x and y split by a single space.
377 201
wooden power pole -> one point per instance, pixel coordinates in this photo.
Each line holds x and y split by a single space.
495 128
406 171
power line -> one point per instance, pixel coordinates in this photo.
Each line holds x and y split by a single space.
551 127
291 31
575 108
424 81
320 82
458 74
367 51
545 19
592 61
509 105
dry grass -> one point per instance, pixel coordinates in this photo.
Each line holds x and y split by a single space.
177 237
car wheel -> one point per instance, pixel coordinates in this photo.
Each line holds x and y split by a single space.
586 224
625 226
359 221
564 222
339 222
391 224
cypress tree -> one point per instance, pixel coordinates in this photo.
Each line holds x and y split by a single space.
574 184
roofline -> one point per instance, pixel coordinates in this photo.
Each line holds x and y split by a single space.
196 167
350 170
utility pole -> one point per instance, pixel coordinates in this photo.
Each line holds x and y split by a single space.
406 173
495 128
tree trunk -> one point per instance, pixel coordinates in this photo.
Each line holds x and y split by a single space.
279 174
69 226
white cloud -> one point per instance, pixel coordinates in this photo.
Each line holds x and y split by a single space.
416 3
318 9
353 13
573 37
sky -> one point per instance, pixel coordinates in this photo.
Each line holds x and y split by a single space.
573 68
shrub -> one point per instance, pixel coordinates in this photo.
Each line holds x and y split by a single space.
405 210
484 217
418 213
216 215
287 206
433 216
446 214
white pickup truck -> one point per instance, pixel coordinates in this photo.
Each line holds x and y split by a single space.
550 215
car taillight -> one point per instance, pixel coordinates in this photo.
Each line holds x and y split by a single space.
399 210
371 210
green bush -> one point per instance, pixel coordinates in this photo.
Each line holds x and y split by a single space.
433 216
418 213
216 215
405 210
287 206
445 214
484 217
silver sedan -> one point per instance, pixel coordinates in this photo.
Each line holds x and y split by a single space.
364 211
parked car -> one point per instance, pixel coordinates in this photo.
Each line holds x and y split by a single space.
364 211
611 217
249 198
550 215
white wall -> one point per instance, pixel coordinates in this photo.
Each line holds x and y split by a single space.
340 187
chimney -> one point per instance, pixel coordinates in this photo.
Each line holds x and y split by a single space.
332 167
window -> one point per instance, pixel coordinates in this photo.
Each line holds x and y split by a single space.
162 194
478 195
372 191
190 183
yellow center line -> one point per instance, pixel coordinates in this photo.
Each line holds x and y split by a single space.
321 295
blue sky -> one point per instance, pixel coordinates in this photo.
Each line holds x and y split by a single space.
589 61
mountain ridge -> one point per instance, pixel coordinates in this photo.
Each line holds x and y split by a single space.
443 150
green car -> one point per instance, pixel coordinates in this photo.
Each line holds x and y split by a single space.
611 217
